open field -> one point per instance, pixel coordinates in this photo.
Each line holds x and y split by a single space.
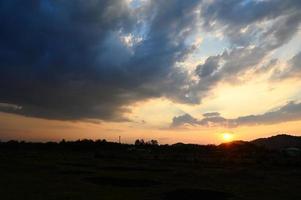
52 171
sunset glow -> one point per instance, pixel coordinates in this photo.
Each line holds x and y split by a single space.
164 70
150 99
227 137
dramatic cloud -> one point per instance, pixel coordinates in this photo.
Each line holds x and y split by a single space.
242 21
254 29
289 112
295 63
184 119
208 120
293 69
89 59
74 60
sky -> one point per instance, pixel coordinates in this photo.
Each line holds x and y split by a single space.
171 70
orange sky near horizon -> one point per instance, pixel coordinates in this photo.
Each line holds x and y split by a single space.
14 127
140 69
151 119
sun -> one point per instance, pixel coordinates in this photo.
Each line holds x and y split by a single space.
227 137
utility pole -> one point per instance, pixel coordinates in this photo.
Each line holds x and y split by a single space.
119 139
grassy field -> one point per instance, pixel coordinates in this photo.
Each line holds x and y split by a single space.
51 174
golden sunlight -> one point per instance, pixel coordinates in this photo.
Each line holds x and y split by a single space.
227 137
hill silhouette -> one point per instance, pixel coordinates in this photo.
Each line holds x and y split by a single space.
279 142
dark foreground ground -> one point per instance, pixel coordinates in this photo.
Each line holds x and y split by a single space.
113 171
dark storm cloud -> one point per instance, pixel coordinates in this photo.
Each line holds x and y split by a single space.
289 112
65 59
75 60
